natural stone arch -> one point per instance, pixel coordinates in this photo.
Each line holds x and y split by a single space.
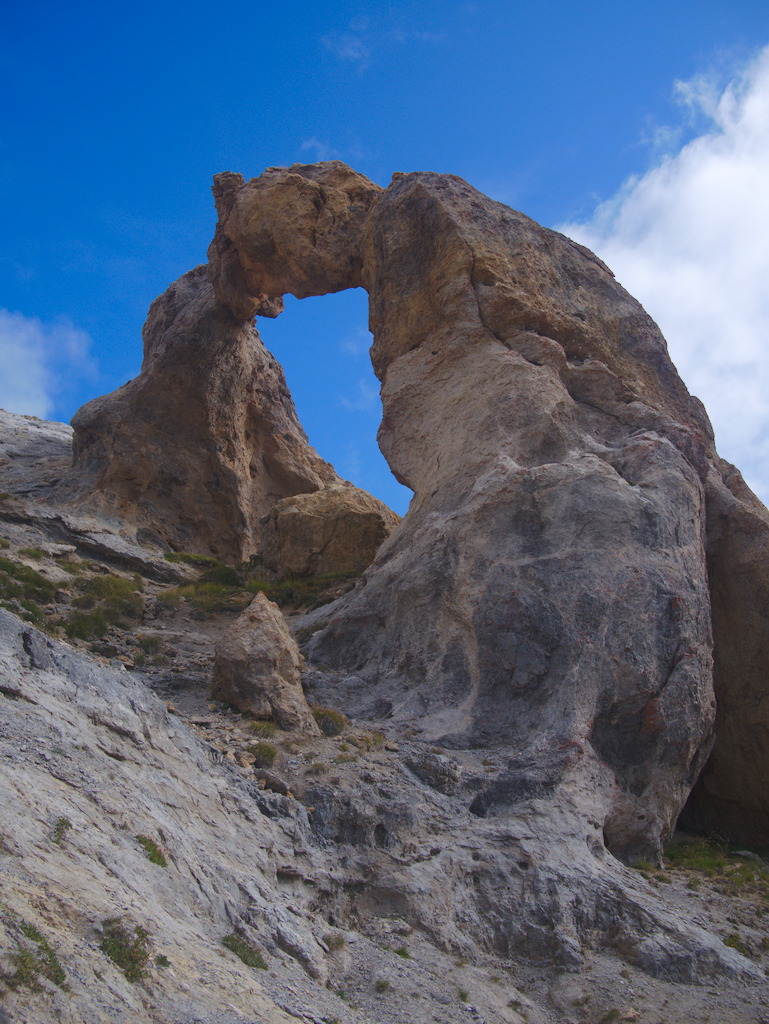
548 592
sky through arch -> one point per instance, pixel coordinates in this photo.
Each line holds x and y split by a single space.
322 342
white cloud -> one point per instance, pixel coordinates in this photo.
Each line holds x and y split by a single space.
690 240
322 149
356 342
366 398
357 44
39 362
348 46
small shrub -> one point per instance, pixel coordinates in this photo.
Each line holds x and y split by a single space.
87 625
51 967
263 728
17 580
246 951
382 985
463 994
60 829
4 544
150 644
127 947
30 963
330 721
189 559
401 951
223 574
162 961
154 853
336 941
317 768
264 754
736 942
36 553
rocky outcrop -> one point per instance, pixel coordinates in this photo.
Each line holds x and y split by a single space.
258 668
205 440
336 530
548 588
561 593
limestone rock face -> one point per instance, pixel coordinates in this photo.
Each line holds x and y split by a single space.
548 588
258 668
205 440
336 530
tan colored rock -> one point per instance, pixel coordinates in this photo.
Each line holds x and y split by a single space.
258 668
298 230
336 530
205 440
551 570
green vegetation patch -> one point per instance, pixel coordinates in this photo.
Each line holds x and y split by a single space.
105 601
264 754
36 553
226 588
60 829
245 950
263 728
32 958
330 721
154 852
126 946
20 581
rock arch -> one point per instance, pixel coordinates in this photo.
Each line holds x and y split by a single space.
549 592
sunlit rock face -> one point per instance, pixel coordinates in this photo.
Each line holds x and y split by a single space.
205 440
574 543
549 588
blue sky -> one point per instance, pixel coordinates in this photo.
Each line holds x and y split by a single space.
643 128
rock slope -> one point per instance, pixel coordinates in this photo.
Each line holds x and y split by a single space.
358 867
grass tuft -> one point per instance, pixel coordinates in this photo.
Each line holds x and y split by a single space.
154 853
127 947
60 829
264 754
246 951
330 721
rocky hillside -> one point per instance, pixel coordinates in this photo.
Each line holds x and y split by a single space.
251 777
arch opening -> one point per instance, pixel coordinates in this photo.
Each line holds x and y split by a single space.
322 342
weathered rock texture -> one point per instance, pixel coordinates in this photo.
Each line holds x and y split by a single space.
550 604
205 440
258 668
548 590
336 530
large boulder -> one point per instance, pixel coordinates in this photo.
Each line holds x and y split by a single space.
258 668
336 530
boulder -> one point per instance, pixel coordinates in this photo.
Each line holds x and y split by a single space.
258 667
336 530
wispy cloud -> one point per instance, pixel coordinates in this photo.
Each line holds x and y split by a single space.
356 342
357 43
39 362
688 238
322 150
348 46
365 398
